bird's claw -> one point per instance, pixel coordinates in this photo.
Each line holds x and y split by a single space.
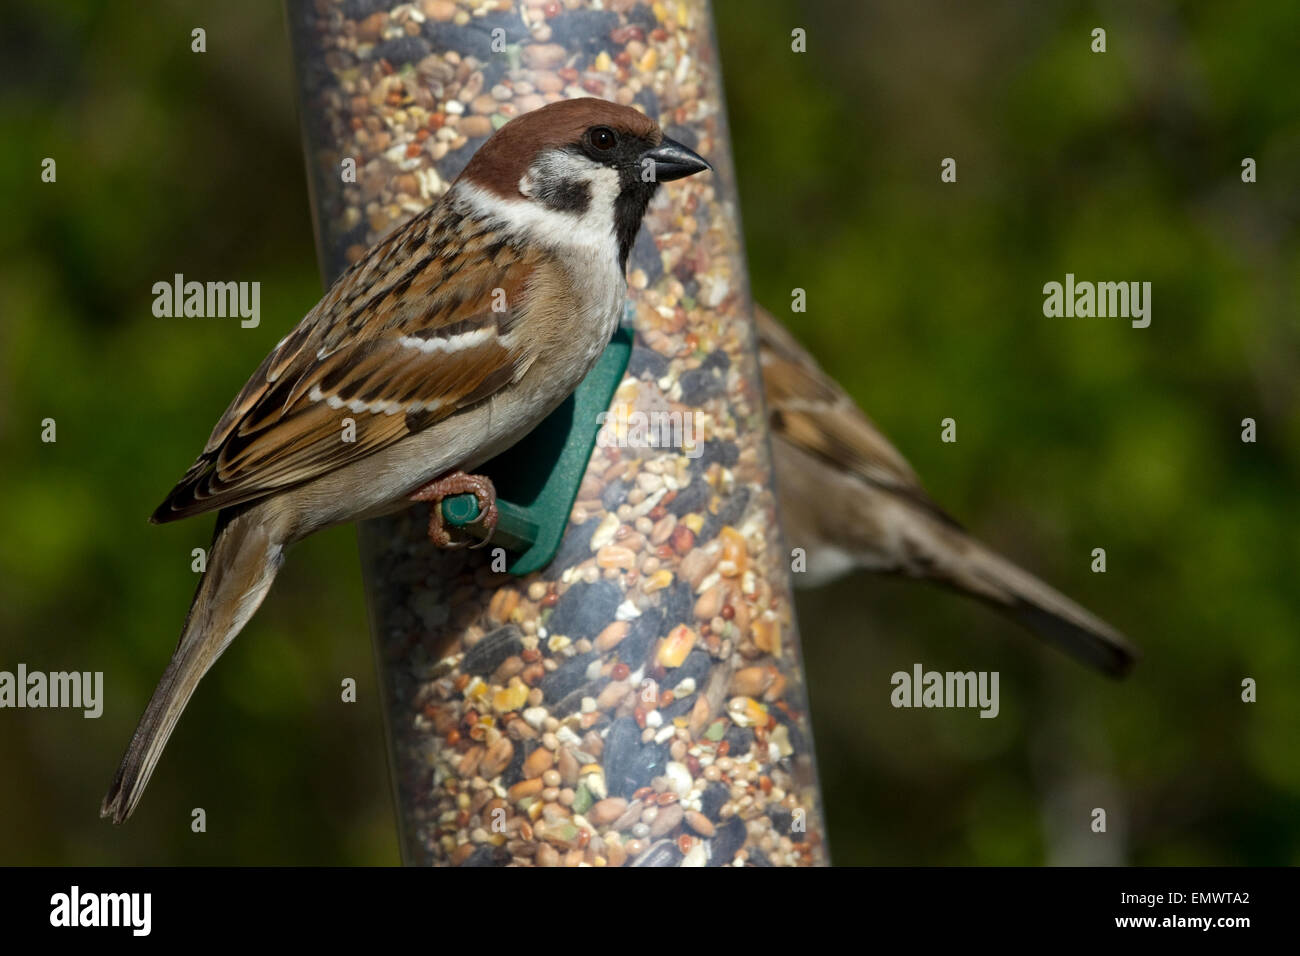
458 483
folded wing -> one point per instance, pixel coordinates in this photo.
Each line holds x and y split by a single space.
394 353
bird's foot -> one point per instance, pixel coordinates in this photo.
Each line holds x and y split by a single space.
458 483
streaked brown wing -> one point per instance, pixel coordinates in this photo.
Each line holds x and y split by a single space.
393 347
808 409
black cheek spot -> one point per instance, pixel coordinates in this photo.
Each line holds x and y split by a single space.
566 196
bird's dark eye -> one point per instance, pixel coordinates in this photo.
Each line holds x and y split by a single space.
603 138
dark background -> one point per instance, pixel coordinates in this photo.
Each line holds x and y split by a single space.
924 301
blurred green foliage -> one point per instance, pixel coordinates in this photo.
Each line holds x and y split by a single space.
924 301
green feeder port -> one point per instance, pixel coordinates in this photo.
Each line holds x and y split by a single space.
537 480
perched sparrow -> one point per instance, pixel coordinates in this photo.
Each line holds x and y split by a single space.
450 340
853 502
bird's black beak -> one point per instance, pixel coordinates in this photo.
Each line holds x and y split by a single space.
674 161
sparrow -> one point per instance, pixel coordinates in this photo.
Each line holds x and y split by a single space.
852 502
443 345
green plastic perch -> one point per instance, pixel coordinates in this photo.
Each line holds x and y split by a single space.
537 480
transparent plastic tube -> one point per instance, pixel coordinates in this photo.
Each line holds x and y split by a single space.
641 700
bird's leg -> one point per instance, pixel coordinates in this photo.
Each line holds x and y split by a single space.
458 483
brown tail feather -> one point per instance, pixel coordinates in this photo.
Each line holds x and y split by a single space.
242 563
1041 608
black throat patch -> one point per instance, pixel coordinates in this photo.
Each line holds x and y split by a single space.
634 196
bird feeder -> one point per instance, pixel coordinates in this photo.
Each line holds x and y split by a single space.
615 678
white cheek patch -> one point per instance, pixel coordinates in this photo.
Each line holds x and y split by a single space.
604 192
591 232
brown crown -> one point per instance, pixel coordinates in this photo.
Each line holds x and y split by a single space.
502 161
